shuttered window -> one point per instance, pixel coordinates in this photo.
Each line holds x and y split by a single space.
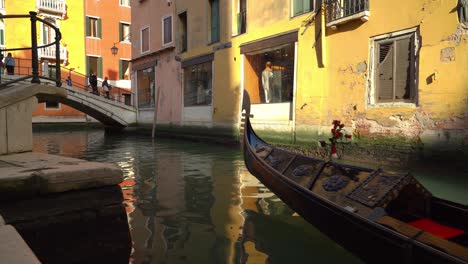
93 27
300 7
395 69
214 20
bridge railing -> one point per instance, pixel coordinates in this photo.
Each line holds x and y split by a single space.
81 81
33 70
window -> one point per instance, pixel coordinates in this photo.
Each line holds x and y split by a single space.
300 7
240 17
167 30
198 85
214 20
124 32
144 38
93 27
395 63
48 33
269 74
183 32
124 70
2 37
146 87
124 2
52 105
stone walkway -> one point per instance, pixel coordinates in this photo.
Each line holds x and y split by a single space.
29 174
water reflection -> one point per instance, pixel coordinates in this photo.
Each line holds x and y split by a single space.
195 203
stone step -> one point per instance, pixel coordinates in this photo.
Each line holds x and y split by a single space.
13 249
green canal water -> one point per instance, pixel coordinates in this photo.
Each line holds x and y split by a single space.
190 202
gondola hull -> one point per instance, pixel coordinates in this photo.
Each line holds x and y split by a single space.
370 241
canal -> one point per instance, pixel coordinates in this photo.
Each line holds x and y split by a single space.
190 202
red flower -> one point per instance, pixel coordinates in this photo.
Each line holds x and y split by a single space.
337 135
333 149
333 131
349 136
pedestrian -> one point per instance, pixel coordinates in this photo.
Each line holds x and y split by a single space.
106 87
10 64
69 81
93 82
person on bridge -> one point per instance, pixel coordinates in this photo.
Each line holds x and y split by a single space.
69 81
93 82
106 87
10 64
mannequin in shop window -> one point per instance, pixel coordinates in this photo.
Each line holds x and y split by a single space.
267 78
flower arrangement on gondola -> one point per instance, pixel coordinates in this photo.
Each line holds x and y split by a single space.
337 136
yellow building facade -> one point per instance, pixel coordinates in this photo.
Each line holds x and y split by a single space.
394 73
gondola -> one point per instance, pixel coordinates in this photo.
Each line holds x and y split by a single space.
379 216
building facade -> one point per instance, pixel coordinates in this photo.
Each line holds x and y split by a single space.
155 73
393 73
88 34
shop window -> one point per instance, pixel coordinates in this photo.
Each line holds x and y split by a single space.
394 68
146 87
269 74
198 85
124 69
94 65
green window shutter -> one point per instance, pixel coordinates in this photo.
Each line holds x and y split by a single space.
121 35
88 27
87 65
99 21
120 70
215 21
99 73
307 5
2 37
298 6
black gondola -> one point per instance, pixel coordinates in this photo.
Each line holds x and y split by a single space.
379 216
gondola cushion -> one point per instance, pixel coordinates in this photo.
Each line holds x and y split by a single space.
437 229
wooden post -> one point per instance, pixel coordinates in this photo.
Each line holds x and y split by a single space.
156 108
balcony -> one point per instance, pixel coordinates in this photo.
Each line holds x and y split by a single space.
51 7
2 7
50 52
342 11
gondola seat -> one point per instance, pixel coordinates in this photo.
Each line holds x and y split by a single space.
437 229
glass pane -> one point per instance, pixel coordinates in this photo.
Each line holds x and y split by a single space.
167 30
145 40
146 87
269 75
198 85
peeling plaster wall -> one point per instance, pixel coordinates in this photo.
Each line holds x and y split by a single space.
440 116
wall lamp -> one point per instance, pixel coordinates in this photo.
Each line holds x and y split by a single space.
114 49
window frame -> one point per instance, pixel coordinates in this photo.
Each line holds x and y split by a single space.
90 25
125 5
141 39
372 89
122 36
303 11
163 30
212 25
